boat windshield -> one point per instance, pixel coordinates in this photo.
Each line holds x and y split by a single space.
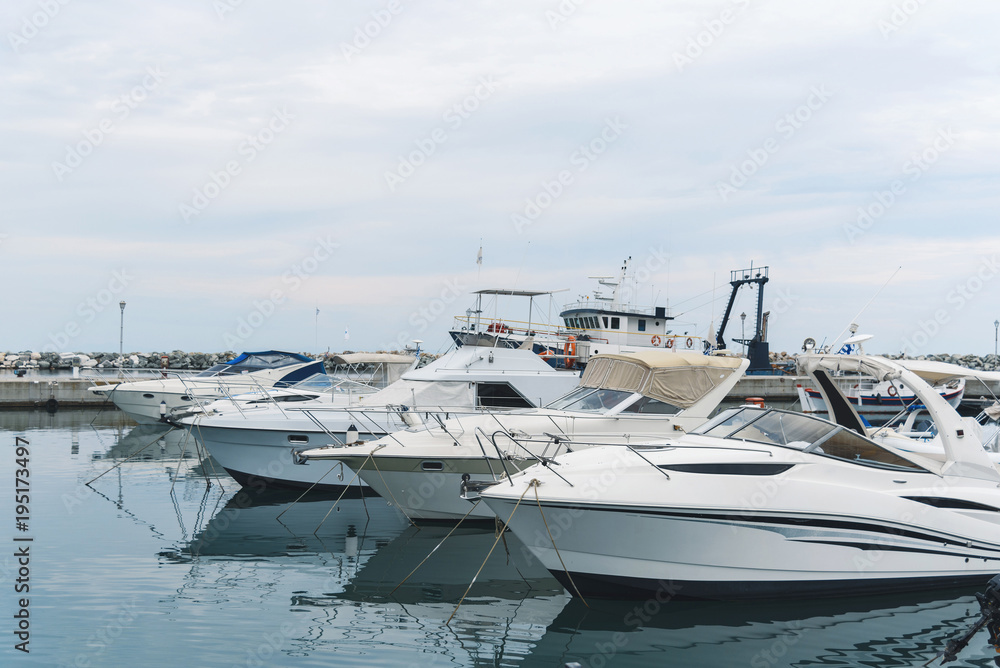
802 432
590 400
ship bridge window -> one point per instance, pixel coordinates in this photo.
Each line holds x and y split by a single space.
605 322
642 325
500 395
615 323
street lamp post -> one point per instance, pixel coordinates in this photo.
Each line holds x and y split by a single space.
743 331
121 333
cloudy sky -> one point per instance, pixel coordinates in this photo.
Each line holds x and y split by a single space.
227 167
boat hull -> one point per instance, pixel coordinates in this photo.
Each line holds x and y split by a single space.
429 495
267 455
679 554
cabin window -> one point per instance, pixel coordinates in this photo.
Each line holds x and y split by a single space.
605 322
615 323
650 405
642 325
500 395
298 439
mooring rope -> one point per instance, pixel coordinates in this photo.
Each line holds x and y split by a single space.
534 483
134 454
506 524
403 581
310 488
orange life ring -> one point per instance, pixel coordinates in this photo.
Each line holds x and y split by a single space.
546 354
690 342
569 350
892 390
498 327
655 340
670 343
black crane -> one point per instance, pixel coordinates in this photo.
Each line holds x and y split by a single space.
757 349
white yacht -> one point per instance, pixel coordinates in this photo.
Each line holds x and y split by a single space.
767 503
149 401
620 398
256 441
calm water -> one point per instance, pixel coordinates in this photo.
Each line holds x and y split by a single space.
157 563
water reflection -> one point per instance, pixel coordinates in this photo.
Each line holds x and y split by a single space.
217 578
896 631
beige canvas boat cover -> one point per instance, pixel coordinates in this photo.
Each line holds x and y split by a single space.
678 378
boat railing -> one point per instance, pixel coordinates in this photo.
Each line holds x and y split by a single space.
116 376
515 328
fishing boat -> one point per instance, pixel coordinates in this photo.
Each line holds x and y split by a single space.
766 503
606 321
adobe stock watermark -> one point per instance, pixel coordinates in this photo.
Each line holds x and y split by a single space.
247 151
427 146
121 109
713 30
899 17
779 648
223 7
915 168
32 25
370 30
582 158
105 637
958 298
294 277
785 127
424 316
562 13
88 310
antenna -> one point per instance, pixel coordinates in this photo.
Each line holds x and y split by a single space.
864 308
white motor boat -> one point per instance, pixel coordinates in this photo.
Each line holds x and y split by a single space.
256 442
620 398
766 503
149 401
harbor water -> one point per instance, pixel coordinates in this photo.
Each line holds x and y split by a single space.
164 561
